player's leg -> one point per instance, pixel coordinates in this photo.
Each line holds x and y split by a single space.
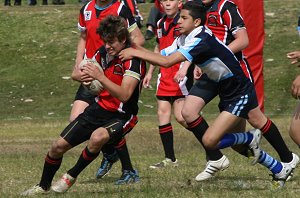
270 131
217 130
295 126
164 111
117 150
202 92
177 108
242 148
197 125
110 156
216 137
97 139
83 99
258 120
77 108
54 157
129 174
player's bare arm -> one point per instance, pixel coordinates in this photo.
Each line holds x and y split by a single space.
148 77
137 37
151 57
179 76
240 42
77 73
123 92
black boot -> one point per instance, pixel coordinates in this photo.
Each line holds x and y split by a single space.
7 3
61 2
32 3
17 2
58 2
45 2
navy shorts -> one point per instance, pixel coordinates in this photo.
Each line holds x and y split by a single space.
241 104
205 89
84 95
94 117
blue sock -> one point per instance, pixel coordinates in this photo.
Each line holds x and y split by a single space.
230 139
272 164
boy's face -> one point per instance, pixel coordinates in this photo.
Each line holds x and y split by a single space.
171 7
113 47
186 22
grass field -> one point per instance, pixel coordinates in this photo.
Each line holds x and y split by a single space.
38 49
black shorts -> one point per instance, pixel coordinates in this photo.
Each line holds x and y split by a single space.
170 99
94 117
84 95
205 89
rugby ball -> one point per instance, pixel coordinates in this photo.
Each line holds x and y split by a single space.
94 87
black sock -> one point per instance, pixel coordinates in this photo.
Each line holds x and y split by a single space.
273 136
166 136
108 150
198 127
124 155
84 160
51 165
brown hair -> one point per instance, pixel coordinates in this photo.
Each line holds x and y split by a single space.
112 27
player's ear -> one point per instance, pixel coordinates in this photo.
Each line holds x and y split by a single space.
180 4
197 22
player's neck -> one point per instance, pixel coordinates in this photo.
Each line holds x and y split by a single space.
103 3
172 16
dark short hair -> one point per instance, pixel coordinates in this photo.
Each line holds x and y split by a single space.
112 27
196 10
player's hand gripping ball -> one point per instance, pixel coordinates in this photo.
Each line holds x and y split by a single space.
94 87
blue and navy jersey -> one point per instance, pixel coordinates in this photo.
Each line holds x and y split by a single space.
214 58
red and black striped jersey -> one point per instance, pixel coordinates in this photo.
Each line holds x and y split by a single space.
91 15
132 5
115 70
167 31
224 19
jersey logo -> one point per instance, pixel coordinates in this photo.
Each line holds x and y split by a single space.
159 33
212 20
87 15
118 69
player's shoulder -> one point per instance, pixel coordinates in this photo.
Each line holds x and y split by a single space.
228 5
136 62
87 6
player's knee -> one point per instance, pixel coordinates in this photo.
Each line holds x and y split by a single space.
98 139
58 149
71 118
180 120
185 115
162 113
209 141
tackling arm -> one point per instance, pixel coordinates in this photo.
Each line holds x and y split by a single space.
151 57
